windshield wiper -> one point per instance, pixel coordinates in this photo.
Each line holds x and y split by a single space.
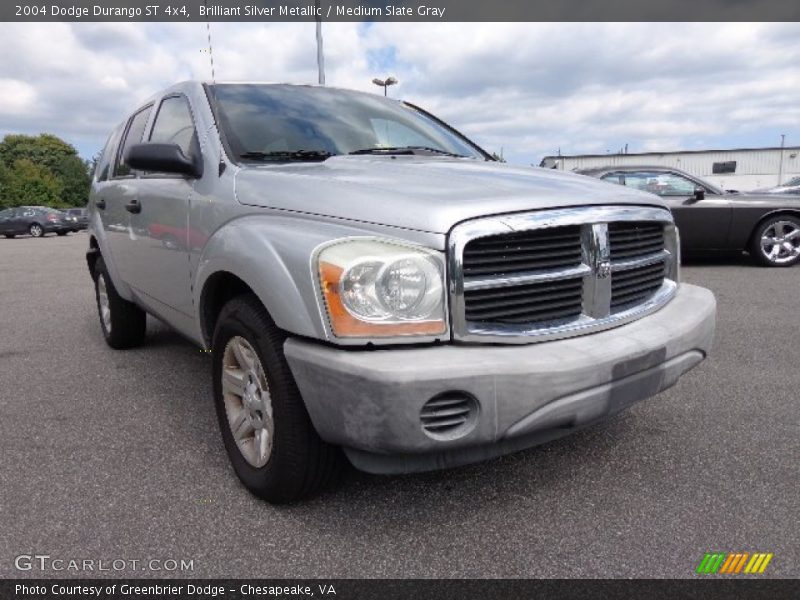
309 155
405 150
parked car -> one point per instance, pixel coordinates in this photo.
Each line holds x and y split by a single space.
79 217
34 220
367 278
712 220
789 187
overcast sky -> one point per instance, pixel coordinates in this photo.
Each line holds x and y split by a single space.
527 88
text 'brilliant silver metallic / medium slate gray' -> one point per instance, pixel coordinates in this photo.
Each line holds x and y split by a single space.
368 280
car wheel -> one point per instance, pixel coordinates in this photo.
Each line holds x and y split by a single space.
267 432
61 232
10 236
123 323
776 242
36 230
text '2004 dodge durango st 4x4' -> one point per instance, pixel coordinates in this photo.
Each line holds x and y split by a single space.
368 279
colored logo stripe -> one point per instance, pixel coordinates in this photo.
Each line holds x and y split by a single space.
722 562
758 563
711 562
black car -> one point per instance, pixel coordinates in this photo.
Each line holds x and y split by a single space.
79 217
712 220
33 220
788 187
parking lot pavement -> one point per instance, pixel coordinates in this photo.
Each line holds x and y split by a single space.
116 455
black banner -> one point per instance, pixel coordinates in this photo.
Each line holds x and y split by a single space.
393 589
399 10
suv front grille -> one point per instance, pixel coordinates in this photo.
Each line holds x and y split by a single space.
523 251
531 303
636 239
559 273
636 285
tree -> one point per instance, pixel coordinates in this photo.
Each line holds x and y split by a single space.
28 183
56 156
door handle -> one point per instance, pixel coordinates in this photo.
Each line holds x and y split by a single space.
133 207
101 204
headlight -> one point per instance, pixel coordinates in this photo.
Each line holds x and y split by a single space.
381 289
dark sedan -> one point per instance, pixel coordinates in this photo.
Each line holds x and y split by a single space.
33 220
712 220
79 217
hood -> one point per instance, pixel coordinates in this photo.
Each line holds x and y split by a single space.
422 193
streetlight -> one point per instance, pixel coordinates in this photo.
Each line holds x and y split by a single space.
320 53
384 83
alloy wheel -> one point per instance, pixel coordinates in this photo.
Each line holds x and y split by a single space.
105 306
780 242
248 404
36 230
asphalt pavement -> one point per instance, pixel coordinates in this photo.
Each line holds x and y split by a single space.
110 455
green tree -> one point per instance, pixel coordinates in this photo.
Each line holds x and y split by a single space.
55 155
28 183
3 183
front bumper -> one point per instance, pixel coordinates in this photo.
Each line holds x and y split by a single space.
369 401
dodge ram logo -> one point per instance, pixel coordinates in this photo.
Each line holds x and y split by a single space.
603 269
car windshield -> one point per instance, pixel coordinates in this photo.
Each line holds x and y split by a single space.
286 122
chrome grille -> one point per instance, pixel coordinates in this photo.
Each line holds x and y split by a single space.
636 285
523 251
531 303
632 240
559 273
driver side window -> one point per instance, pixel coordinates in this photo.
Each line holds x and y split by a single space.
174 125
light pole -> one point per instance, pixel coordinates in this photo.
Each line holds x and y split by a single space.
384 83
320 54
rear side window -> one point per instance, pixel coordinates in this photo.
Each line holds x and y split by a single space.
133 136
174 125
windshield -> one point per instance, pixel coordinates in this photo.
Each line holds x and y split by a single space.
289 122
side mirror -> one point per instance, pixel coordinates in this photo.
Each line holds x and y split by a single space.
699 193
163 158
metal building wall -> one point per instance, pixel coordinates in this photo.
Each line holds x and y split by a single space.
755 168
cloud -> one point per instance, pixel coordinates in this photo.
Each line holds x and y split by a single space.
530 88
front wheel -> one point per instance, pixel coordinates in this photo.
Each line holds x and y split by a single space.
36 230
123 323
776 242
267 432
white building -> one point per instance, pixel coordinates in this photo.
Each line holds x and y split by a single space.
742 169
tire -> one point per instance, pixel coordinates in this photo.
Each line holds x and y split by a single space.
293 462
36 230
124 324
61 233
10 236
776 241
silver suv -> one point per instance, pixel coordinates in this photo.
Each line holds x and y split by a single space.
369 280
